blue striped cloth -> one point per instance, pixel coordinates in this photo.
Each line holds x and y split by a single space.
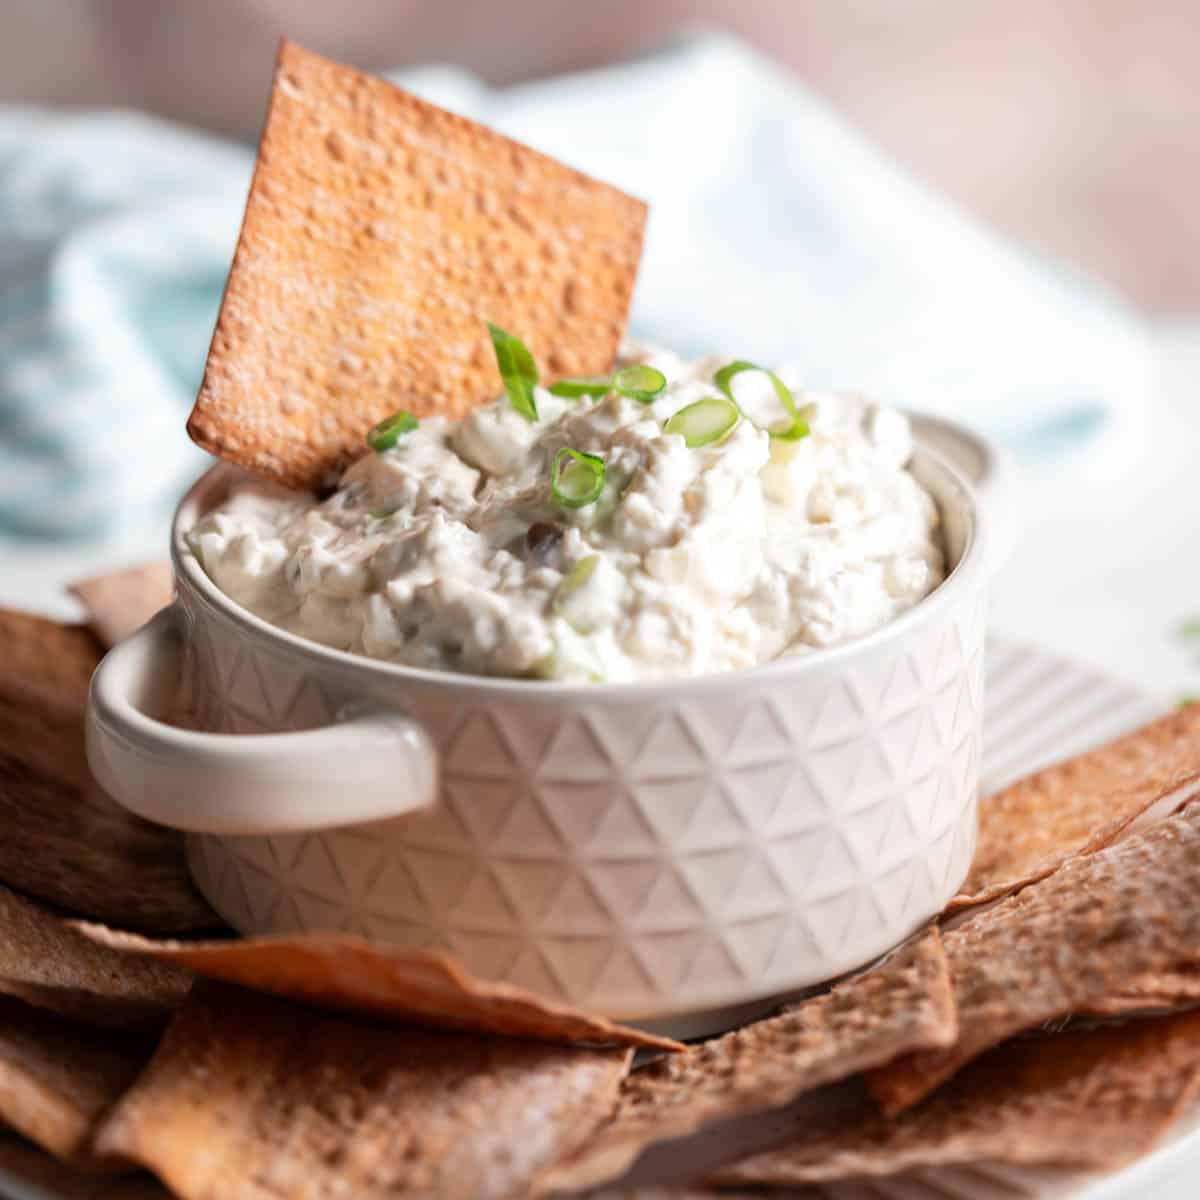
776 233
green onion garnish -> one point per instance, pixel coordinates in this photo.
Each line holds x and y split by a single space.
390 430
576 478
796 428
585 385
380 514
517 369
571 603
704 422
639 382
576 578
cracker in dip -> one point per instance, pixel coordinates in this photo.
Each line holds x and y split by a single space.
610 536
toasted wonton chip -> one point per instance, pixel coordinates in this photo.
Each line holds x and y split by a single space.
381 235
349 974
121 602
46 655
1031 828
24 1166
66 842
251 1097
1128 912
57 1078
1164 990
901 1005
1097 1098
49 964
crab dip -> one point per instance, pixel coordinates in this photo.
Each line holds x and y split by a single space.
672 520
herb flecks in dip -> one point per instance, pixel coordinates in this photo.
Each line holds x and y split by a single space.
667 543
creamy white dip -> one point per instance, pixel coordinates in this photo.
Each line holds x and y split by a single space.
450 552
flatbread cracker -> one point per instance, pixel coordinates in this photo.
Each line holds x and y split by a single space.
121 602
1028 830
1094 1099
348 974
47 963
248 1097
24 1166
52 657
380 235
57 1078
901 1005
1128 912
1165 990
65 841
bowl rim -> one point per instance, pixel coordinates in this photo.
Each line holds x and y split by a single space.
189 572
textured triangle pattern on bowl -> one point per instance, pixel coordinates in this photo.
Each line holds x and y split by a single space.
637 858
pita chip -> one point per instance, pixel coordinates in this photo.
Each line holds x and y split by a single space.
65 841
26 1169
46 655
381 234
1028 830
248 1097
1094 1099
121 602
349 974
1164 990
47 963
1128 912
57 1078
901 1005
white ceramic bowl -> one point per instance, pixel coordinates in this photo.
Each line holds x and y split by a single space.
670 853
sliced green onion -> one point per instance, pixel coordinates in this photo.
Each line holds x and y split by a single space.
790 431
390 430
704 422
639 382
795 428
517 370
584 385
576 478
576 578
572 655
380 514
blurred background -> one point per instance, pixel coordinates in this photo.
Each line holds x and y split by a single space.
985 208
1071 124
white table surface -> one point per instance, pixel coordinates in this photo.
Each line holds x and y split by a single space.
1107 567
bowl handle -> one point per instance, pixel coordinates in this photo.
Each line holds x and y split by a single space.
370 764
